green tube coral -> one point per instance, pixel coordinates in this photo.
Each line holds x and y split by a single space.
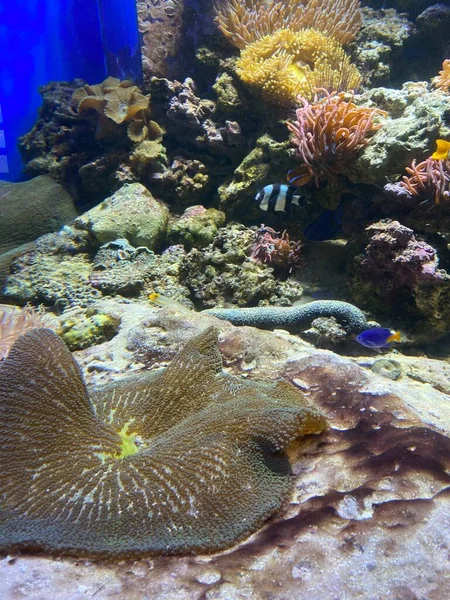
295 318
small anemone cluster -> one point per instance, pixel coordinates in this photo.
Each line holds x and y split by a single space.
117 102
276 249
429 181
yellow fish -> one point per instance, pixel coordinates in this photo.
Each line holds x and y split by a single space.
166 302
442 150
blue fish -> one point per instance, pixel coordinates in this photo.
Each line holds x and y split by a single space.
378 337
280 197
326 226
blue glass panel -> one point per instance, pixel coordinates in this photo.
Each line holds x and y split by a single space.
48 40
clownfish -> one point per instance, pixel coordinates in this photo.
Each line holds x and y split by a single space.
280 197
442 150
378 337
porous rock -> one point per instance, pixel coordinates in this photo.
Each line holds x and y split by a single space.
131 213
416 118
397 270
197 226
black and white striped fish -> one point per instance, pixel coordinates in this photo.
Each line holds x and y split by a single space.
279 197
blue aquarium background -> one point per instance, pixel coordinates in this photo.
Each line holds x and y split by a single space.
51 40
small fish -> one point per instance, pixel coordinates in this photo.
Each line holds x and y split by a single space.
166 302
299 176
279 197
378 337
442 150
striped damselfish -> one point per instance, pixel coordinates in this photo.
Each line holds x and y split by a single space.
280 197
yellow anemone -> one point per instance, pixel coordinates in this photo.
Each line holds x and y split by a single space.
289 63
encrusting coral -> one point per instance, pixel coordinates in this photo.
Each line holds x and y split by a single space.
246 21
184 460
329 134
442 81
289 63
117 102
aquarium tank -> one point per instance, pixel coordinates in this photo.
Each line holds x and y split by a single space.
225 299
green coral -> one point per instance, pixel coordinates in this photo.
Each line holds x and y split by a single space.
80 330
228 97
196 227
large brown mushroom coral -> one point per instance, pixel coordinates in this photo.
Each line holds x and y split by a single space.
116 102
180 461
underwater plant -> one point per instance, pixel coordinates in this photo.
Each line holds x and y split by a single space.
429 180
118 102
286 64
243 22
329 134
183 460
442 81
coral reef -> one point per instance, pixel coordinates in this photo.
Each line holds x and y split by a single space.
263 164
289 63
416 118
30 209
129 281
120 268
184 182
372 492
48 273
378 47
160 25
224 273
59 142
243 22
329 134
100 475
294 318
192 120
397 273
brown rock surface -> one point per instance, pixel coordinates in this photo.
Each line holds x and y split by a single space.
370 515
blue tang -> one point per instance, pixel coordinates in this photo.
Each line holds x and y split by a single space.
378 337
